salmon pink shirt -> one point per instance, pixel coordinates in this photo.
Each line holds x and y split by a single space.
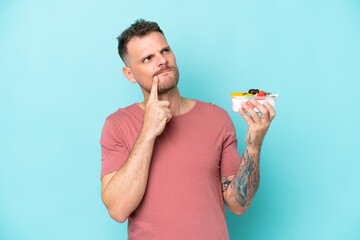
183 198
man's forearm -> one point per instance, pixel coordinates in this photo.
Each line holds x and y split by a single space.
244 185
124 192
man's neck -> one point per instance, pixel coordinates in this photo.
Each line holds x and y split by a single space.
178 104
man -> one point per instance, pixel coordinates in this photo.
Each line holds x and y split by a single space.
169 163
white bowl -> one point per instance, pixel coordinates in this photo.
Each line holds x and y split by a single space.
237 100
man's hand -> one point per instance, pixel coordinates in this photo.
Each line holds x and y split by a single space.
157 113
258 125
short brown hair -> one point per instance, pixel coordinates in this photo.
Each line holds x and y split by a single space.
138 29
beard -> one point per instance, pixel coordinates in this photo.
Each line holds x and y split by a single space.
166 82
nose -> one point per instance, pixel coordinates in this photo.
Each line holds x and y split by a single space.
162 60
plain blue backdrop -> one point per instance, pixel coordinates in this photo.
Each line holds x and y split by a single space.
61 77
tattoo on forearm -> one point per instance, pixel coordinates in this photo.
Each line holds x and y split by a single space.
226 181
247 179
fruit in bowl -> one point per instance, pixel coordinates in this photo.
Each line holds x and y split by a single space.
260 96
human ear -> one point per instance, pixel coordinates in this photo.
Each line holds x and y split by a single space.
128 74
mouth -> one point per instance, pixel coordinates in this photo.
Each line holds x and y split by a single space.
164 72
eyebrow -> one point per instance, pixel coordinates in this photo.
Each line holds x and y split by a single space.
150 55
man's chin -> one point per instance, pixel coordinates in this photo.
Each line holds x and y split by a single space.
167 87
164 89
167 82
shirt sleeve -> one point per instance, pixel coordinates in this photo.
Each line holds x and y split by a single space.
230 158
114 152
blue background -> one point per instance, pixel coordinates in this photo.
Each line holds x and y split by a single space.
61 77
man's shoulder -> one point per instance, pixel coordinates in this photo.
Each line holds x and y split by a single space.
212 108
124 113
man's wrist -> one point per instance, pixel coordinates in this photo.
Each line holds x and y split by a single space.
147 136
253 150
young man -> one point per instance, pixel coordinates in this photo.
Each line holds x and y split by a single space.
169 163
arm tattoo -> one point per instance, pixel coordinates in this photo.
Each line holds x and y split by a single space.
225 182
249 138
247 180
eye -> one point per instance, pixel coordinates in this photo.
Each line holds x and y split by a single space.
146 59
166 50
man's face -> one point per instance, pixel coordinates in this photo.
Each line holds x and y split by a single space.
150 56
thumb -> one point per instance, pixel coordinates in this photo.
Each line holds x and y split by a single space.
154 89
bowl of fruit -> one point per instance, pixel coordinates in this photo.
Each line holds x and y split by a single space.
260 96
